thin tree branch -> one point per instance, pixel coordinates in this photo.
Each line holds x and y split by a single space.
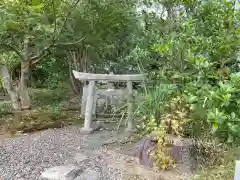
70 43
41 54
12 48
55 22
65 21
46 50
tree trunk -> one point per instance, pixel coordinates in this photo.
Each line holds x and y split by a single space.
78 61
74 87
23 85
237 8
7 84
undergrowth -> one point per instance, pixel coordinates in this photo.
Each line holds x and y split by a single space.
159 121
39 119
47 112
224 170
44 97
5 109
176 118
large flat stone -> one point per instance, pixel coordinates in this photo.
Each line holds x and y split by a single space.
80 157
88 174
65 172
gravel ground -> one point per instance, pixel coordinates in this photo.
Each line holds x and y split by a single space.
25 157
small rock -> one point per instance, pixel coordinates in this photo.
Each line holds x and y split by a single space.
80 157
67 172
88 174
18 175
86 131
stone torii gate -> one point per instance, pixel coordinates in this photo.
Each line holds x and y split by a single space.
92 78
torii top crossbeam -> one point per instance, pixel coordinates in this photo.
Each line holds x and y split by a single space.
108 77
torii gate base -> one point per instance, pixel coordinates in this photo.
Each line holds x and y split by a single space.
87 129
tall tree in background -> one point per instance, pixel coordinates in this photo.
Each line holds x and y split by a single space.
29 29
34 29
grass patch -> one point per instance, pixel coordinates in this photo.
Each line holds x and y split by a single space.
5 109
47 112
40 119
45 97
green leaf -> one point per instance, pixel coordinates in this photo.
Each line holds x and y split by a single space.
39 6
233 127
215 127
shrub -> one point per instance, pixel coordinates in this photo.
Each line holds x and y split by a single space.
5 108
223 171
215 108
210 152
173 116
223 113
152 101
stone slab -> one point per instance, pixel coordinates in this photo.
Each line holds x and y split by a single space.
79 157
65 172
88 174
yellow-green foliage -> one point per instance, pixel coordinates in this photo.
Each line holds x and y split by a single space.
173 119
162 159
1 82
175 116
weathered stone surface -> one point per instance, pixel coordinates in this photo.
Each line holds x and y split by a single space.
143 150
85 131
88 174
183 153
67 172
180 150
80 157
